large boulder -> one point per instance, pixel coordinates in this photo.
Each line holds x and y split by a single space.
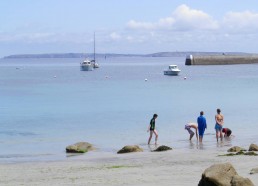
223 175
253 147
163 148
240 181
235 149
218 175
129 148
80 147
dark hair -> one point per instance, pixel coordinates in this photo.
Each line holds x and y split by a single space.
229 133
201 113
155 115
218 110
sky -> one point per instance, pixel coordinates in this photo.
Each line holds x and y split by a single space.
127 26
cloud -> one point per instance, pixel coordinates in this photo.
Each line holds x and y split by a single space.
184 29
115 36
241 22
46 37
188 19
182 19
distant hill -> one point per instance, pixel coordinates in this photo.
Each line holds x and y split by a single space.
90 55
68 55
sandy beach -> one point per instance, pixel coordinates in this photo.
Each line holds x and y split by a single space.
176 167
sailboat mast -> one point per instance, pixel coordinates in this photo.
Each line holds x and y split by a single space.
94 49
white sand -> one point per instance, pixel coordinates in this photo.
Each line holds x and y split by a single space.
176 167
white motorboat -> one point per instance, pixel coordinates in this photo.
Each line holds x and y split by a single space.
172 70
86 65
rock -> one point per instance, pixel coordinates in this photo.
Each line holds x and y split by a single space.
236 149
218 175
240 181
163 148
254 171
240 153
80 147
127 149
223 175
253 147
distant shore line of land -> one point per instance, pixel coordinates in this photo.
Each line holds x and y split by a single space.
108 55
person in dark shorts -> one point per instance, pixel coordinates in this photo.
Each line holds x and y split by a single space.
227 132
190 126
219 118
152 129
202 125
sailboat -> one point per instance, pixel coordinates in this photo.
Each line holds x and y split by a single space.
95 65
89 65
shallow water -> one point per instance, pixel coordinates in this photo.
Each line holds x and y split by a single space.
47 104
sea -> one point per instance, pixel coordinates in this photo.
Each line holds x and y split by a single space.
48 104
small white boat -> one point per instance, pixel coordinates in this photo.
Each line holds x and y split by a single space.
172 70
95 65
86 65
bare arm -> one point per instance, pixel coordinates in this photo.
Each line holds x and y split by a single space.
196 132
216 119
148 128
222 119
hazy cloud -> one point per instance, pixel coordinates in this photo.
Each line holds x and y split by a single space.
184 29
241 22
182 19
115 36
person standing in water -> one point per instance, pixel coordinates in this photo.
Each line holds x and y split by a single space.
202 125
152 129
219 118
190 126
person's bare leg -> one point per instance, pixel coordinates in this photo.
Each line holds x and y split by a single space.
150 137
200 139
191 135
221 136
217 135
156 136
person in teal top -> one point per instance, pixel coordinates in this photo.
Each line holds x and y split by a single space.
152 129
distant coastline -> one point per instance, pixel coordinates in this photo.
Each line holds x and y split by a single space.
108 55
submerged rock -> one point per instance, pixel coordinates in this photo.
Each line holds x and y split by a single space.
240 153
254 171
128 149
253 147
236 149
80 147
162 148
251 153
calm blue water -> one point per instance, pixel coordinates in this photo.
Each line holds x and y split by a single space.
47 104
